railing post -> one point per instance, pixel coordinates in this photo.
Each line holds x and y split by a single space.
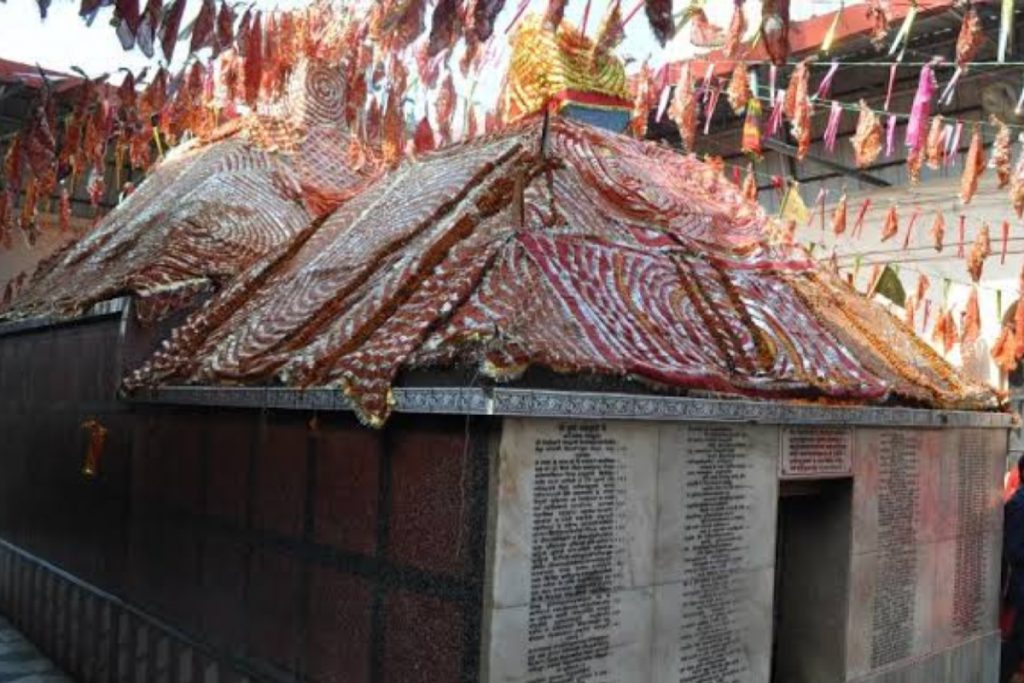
125 648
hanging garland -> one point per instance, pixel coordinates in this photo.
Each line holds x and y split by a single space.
1008 348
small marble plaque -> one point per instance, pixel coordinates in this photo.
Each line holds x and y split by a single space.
816 452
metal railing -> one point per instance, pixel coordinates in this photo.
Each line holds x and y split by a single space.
97 638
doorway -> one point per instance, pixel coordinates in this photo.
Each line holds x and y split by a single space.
812 571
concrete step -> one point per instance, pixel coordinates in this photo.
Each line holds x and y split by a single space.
21 662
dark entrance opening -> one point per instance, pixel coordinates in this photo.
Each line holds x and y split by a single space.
812 581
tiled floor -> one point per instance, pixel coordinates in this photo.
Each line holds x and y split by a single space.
20 662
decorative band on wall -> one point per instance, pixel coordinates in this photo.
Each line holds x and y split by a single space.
575 404
501 401
104 309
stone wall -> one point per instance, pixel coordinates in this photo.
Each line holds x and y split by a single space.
638 551
271 544
926 548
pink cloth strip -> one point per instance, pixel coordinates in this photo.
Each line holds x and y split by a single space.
826 82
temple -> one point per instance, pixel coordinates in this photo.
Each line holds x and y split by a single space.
549 404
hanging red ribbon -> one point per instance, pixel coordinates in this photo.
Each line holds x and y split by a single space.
858 225
94 449
910 227
1006 238
818 201
960 236
824 194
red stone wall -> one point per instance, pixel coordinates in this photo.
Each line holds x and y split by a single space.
297 545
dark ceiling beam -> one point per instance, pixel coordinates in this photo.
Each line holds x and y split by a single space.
791 151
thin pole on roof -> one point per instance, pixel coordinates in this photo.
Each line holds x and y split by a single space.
520 198
544 134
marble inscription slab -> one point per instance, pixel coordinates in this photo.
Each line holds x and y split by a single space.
895 621
893 569
925 569
717 497
632 552
573 558
816 452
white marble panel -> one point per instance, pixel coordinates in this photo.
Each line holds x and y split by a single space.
889 625
996 455
945 482
717 497
524 442
899 466
924 603
933 451
972 661
706 470
865 491
942 598
694 522
972 565
992 592
863 570
733 646
948 474
971 478
619 655
510 574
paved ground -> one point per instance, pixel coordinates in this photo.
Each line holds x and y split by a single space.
20 662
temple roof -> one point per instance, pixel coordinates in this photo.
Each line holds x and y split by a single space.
214 205
557 245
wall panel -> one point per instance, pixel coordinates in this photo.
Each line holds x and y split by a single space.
282 543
